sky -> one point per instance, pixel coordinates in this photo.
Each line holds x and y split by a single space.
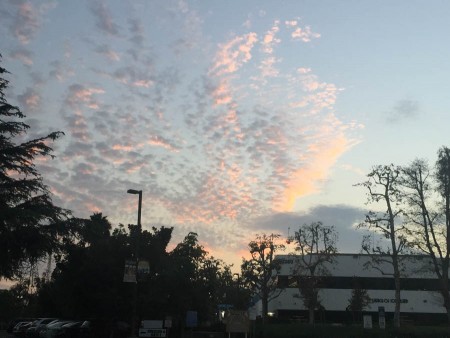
234 118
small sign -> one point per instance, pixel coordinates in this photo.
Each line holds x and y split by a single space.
143 267
152 333
129 275
191 319
237 321
367 321
168 322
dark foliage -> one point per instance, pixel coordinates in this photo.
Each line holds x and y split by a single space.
28 217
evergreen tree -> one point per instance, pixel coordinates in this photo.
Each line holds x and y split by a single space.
28 216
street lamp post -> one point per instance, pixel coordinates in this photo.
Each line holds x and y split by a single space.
136 256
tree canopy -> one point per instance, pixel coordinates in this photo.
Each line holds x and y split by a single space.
28 217
259 272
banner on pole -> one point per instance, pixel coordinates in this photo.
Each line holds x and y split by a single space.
129 275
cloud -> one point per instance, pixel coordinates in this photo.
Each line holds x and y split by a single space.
160 141
268 43
30 99
343 217
324 148
291 23
60 71
211 141
270 39
24 55
80 94
108 52
304 34
26 23
103 18
234 54
404 110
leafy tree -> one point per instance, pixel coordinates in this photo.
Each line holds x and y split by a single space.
383 186
88 279
95 229
316 245
196 281
259 272
427 195
359 300
27 213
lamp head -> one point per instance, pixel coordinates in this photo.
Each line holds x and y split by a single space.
134 192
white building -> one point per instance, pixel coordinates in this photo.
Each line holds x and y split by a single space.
420 295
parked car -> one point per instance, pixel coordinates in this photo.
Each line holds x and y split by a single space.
21 328
14 322
37 326
71 330
52 329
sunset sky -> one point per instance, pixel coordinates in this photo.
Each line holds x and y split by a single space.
233 117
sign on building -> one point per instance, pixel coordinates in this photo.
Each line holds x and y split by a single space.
129 275
152 328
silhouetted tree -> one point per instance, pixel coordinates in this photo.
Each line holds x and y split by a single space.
383 187
259 273
316 246
197 281
427 197
27 213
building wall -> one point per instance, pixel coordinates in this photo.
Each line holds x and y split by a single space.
416 271
338 300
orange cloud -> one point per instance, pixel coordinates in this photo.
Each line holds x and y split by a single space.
321 157
161 142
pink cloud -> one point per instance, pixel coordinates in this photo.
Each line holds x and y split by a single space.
303 70
304 34
80 94
159 141
269 38
222 93
30 99
291 23
267 67
143 83
234 54
319 94
79 128
27 23
23 55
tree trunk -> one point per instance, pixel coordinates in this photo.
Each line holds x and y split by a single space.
445 294
311 316
397 302
265 305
